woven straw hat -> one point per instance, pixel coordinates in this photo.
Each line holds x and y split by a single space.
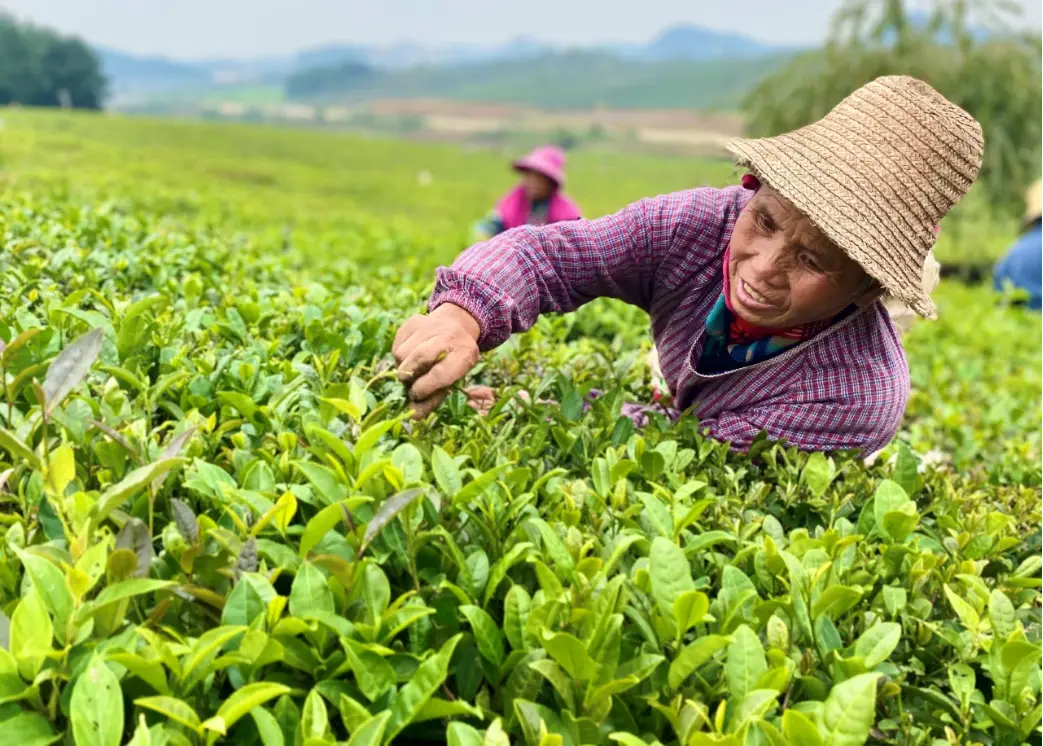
876 175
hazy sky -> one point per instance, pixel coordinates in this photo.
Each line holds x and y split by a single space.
237 28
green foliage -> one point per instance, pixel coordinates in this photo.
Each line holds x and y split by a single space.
995 77
220 525
39 67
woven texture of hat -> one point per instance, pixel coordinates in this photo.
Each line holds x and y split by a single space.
876 175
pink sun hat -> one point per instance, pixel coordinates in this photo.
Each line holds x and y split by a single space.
549 161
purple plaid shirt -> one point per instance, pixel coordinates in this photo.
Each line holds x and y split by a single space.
845 388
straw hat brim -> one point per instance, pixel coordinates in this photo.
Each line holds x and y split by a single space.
840 204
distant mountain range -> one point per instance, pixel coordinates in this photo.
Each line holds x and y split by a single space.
684 66
129 73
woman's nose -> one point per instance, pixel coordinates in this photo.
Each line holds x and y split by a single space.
772 261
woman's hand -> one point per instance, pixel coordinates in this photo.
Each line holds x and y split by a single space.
434 352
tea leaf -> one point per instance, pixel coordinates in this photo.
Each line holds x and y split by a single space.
835 601
240 703
373 674
878 642
243 605
31 634
115 496
142 736
310 594
571 654
315 722
495 735
420 688
61 469
515 616
267 727
689 609
746 662
130 588
694 655
151 672
325 521
135 536
447 473
477 486
818 473
96 707
1001 614
799 729
28 729
53 589
371 732
961 678
174 448
173 708
187 525
17 448
848 712
889 497
369 438
461 734
671 575
70 367
205 648
964 610
388 510
486 633
556 550
895 599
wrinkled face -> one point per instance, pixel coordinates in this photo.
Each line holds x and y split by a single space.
537 186
784 272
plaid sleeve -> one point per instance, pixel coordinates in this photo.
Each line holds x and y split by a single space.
812 426
507 282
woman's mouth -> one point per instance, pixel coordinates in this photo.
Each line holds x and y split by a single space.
752 298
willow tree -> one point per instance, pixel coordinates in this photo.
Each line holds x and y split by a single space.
964 48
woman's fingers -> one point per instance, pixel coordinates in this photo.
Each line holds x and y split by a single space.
420 358
434 352
481 398
406 338
422 409
450 365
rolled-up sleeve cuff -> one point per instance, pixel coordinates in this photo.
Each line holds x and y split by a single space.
489 307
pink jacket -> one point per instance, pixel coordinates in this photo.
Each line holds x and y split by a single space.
514 208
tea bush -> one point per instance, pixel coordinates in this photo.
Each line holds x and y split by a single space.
219 525
315 190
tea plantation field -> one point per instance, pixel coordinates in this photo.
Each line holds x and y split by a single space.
220 526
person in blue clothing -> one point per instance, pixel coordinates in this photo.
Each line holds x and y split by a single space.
1022 267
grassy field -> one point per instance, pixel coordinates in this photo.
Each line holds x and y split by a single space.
311 187
218 525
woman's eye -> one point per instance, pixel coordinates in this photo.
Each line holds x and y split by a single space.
765 223
811 263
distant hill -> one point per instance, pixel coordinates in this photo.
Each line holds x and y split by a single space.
525 66
695 43
563 79
131 73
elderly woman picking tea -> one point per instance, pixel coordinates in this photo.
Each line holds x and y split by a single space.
764 298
